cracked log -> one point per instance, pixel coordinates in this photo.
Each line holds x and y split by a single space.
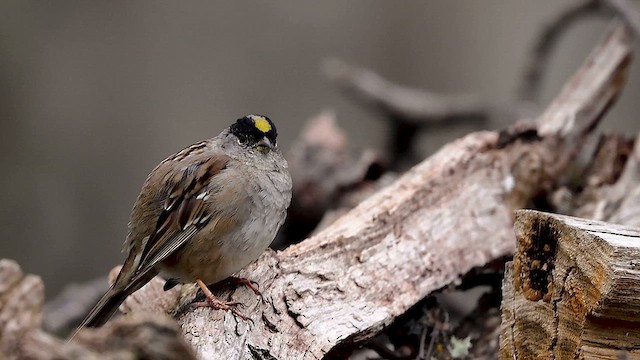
448 214
572 291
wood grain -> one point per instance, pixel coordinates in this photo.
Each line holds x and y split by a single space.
573 291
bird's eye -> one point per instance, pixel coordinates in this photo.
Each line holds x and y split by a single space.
263 148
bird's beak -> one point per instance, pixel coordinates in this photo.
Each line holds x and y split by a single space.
265 142
264 145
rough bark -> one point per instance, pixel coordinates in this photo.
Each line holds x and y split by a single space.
21 301
143 336
448 214
572 291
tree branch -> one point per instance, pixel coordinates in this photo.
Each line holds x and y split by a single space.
416 106
538 57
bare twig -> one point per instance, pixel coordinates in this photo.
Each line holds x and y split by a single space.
627 12
415 106
409 110
538 59
530 85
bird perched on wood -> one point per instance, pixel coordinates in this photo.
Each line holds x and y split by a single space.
204 213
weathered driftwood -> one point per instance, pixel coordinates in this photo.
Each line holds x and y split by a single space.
608 160
573 291
446 215
609 188
593 172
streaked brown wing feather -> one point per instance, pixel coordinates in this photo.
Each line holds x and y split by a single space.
164 222
183 213
184 207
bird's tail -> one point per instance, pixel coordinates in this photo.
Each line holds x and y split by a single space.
103 310
111 300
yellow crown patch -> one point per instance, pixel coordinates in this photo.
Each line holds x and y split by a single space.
261 124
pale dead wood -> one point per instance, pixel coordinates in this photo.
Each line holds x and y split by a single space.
608 160
21 301
446 215
624 203
142 336
573 290
612 185
594 169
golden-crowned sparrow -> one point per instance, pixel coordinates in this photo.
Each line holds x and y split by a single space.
204 213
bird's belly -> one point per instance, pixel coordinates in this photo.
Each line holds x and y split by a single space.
212 260
217 252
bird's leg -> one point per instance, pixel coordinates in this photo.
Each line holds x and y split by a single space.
214 302
246 282
237 281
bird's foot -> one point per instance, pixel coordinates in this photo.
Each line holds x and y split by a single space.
213 302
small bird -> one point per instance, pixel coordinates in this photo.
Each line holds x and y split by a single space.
204 213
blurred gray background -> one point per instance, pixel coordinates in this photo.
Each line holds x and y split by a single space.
94 94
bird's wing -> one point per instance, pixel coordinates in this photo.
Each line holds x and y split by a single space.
184 212
164 224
